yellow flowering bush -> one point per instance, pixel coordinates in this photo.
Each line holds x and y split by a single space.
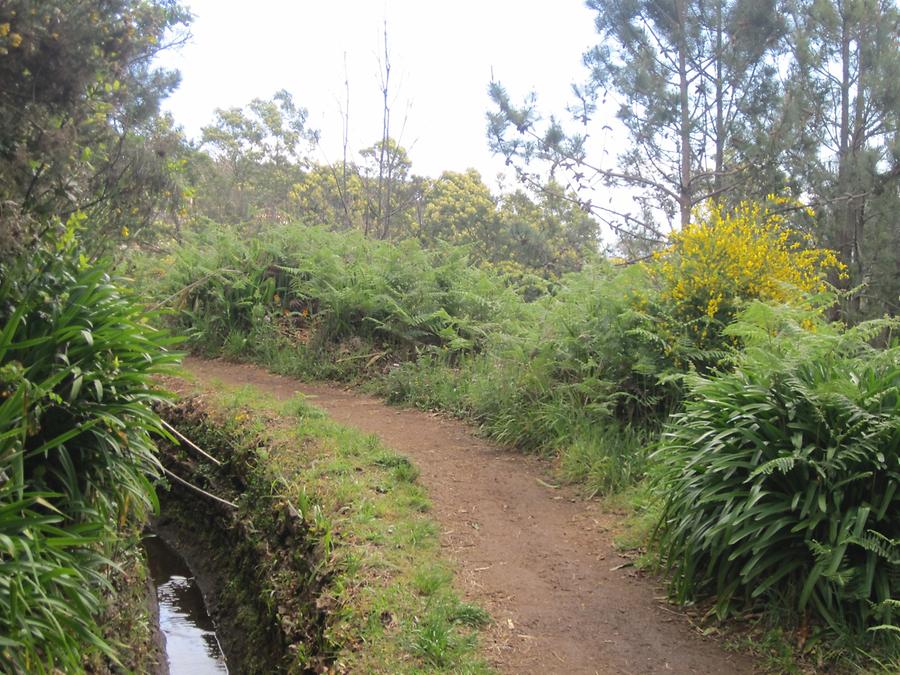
728 255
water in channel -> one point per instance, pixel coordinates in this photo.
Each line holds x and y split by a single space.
191 642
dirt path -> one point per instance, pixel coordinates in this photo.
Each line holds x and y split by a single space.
539 560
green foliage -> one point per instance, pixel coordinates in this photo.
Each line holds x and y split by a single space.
550 235
459 209
76 455
581 376
436 641
515 233
842 109
778 482
384 172
563 373
687 142
780 479
325 289
256 155
606 459
251 170
79 97
728 100
603 349
335 194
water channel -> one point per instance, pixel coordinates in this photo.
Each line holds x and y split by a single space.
191 642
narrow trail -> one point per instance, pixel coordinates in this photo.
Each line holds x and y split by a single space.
538 559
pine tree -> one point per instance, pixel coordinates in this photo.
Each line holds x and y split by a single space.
694 83
844 101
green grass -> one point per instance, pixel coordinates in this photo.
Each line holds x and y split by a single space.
605 459
392 607
429 580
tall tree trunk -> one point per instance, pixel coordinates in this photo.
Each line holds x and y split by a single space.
857 141
684 195
342 185
845 223
384 157
720 115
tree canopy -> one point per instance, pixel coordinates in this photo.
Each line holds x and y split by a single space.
79 130
730 100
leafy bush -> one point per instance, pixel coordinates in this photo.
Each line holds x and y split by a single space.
76 456
780 478
602 348
729 256
327 287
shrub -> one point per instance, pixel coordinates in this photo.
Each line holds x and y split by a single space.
329 287
603 348
729 256
76 457
780 479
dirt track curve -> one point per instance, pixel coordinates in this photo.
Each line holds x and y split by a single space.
538 559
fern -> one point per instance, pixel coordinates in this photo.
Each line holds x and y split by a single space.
781 464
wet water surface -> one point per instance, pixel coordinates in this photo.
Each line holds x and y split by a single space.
191 642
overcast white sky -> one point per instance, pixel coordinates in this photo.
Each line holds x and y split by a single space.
442 54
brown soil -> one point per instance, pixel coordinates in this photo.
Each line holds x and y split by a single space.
539 559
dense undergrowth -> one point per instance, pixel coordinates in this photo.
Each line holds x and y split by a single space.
592 367
78 472
428 329
76 453
780 481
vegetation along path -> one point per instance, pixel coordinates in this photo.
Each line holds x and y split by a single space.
540 561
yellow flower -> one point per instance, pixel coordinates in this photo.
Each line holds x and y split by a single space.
15 39
124 231
726 255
